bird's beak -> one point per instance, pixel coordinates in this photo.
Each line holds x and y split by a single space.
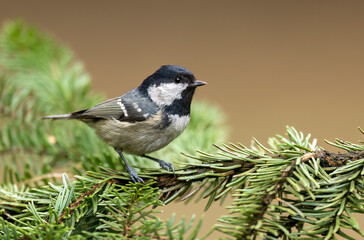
197 83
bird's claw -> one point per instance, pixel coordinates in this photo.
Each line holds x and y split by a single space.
167 166
134 176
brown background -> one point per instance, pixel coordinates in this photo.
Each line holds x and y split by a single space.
268 64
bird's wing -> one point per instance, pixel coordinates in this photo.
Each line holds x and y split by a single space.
130 107
107 109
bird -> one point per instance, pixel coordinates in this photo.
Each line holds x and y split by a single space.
146 118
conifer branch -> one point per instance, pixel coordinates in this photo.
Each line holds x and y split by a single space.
288 189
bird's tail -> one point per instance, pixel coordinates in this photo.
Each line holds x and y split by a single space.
61 116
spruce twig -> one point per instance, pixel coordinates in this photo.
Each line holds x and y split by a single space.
289 189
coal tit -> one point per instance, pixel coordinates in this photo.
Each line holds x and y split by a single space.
145 119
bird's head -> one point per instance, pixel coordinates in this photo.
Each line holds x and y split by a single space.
171 85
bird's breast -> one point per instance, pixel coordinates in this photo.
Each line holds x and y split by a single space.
177 123
141 137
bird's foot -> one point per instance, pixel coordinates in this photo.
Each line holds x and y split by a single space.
165 165
134 176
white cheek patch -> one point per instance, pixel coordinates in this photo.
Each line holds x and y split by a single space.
166 93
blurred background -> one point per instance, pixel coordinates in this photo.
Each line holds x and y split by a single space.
268 64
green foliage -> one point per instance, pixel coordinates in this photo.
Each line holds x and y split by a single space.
111 211
297 193
291 189
37 76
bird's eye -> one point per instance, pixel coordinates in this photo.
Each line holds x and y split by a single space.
177 79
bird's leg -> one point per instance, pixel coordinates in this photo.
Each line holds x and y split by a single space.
162 164
133 175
